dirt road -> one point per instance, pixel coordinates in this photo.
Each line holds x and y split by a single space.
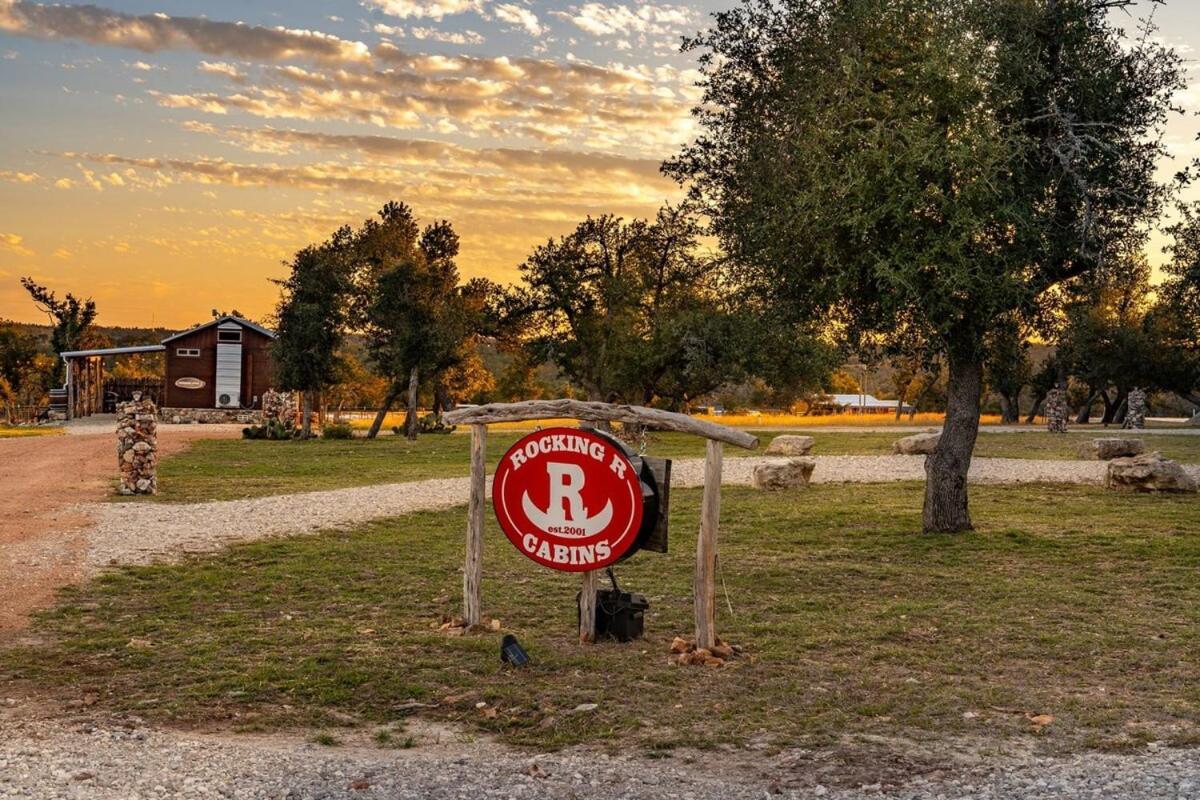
42 481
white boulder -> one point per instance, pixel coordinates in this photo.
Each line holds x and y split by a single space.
791 473
1149 472
921 444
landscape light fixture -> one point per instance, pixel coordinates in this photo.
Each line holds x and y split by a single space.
512 653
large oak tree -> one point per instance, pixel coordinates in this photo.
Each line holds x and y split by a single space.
943 165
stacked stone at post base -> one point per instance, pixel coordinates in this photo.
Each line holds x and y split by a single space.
1135 410
1056 410
281 407
137 446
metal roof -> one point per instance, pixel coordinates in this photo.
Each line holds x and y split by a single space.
865 401
227 318
113 351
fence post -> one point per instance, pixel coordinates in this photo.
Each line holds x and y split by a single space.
705 589
587 605
473 568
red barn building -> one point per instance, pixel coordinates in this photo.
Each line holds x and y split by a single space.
222 366
225 363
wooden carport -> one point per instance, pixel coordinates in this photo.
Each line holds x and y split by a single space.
85 376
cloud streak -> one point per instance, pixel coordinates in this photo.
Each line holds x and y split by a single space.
151 33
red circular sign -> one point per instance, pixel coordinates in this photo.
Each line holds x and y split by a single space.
569 499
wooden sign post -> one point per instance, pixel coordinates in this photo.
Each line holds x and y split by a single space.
480 417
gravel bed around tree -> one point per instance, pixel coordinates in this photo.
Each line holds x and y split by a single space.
139 533
49 759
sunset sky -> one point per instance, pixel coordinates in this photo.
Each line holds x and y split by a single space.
165 156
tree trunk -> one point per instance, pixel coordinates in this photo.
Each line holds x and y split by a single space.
1113 407
900 394
1038 400
410 418
916 403
1085 411
306 414
441 399
1010 409
1122 411
393 393
946 468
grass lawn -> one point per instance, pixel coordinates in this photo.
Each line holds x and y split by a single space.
14 432
229 468
1068 601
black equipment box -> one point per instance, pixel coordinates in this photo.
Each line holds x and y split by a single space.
619 615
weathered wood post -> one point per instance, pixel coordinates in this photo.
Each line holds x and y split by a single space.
587 605
473 568
705 590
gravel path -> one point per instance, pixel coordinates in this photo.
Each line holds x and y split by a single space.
49 759
120 534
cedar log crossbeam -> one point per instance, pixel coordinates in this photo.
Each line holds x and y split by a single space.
706 543
653 418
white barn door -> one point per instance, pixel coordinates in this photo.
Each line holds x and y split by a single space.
229 365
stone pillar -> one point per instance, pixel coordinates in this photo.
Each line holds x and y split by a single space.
1135 410
137 446
1056 410
279 407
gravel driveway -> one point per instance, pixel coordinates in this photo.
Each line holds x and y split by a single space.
138 533
99 761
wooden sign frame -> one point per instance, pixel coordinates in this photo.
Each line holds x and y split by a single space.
704 584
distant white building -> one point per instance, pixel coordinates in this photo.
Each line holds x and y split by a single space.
859 404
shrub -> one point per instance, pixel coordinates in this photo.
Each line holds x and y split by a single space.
273 430
337 430
430 423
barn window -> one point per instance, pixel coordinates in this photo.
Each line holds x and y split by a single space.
229 336
187 352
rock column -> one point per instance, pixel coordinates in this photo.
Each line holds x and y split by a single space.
1135 411
279 407
1056 410
137 446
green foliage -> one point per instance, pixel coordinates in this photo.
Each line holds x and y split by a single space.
1176 317
924 163
414 314
1008 366
430 423
311 315
337 430
927 168
19 368
272 430
635 313
71 317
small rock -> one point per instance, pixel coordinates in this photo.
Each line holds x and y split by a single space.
1110 448
789 445
585 707
920 444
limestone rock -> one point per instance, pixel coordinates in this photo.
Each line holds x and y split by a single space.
1110 448
792 473
920 444
137 442
789 445
1149 472
1056 410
